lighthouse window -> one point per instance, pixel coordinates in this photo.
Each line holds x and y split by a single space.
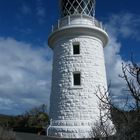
76 48
77 79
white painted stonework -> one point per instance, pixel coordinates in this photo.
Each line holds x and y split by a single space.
74 109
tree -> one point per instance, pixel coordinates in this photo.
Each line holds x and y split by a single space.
37 116
130 117
126 122
131 75
32 121
103 127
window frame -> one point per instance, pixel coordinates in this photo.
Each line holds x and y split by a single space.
74 73
75 44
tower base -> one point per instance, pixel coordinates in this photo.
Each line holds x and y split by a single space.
69 131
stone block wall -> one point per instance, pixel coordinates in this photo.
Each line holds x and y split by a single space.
74 109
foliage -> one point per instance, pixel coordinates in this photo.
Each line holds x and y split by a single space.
33 120
126 122
5 119
37 117
103 127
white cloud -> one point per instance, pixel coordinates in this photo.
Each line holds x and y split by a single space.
113 68
35 12
40 11
26 10
119 26
125 25
25 75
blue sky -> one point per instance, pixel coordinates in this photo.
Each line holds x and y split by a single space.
25 59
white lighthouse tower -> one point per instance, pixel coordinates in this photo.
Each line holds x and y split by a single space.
77 41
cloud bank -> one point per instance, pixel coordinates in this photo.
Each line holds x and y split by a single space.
25 75
126 28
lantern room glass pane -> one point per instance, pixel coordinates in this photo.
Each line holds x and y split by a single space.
73 7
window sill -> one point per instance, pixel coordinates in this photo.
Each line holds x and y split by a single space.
76 87
76 55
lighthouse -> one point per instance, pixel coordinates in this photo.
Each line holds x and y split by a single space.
77 41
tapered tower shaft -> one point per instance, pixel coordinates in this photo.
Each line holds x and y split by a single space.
77 41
